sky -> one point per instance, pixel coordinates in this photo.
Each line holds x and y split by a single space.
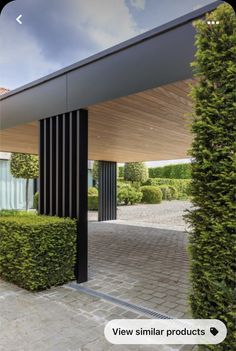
57 33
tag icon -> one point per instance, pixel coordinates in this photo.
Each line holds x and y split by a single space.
214 331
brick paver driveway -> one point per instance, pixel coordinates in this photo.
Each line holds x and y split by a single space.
147 266
140 263
136 260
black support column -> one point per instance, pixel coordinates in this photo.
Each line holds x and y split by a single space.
63 181
107 209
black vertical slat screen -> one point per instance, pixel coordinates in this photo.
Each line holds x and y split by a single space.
63 180
66 165
53 164
41 166
107 191
59 169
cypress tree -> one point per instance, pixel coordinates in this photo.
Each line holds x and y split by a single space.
213 217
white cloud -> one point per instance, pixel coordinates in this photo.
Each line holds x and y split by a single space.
138 4
86 27
22 56
105 22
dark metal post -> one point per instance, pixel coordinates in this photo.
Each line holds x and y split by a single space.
82 197
63 177
107 209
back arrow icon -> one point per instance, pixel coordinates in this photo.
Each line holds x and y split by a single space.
18 19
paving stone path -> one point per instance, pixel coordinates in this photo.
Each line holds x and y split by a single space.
142 264
146 266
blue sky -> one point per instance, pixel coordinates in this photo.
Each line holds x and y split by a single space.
57 33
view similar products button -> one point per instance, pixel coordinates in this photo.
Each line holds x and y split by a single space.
165 331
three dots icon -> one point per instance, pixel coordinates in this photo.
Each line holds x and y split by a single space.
213 22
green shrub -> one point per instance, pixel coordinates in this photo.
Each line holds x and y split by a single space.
128 195
135 172
179 171
37 252
121 172
212 218
155 172
93 202
173 192
182 186
36 201
166 193
92 199
9 213
92 191
95 170
151 194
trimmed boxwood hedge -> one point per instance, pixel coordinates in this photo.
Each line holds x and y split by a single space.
179 171
151 194
93 202
9 213
37 252
182 186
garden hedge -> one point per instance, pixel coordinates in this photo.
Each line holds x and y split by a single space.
121 172
182 186
93 202
37 252
9 213
179 171
213 216
151 194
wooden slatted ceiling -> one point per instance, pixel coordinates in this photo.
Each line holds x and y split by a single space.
150 125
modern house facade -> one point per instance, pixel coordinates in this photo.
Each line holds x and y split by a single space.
128 103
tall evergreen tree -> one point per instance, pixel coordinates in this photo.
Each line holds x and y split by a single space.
213 217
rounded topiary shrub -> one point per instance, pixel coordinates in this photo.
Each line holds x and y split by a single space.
92 191
135 172
128 195
181 185
151 194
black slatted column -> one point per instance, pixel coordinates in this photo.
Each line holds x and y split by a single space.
63 183
107 209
